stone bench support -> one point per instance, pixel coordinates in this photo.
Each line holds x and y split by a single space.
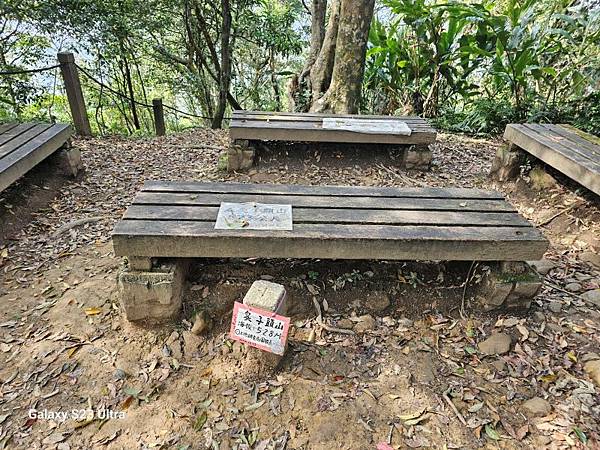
507 163
240 155
152 292
417 157
510 285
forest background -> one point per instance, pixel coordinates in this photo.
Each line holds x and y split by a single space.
469 66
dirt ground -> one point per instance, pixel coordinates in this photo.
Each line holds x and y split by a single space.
416 378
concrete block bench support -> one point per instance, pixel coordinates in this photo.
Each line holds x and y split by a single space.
152 292
169 222
510 285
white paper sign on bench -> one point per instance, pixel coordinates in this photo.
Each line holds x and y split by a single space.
369 126
254 216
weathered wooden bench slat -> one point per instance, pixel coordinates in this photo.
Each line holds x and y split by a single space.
193 239
7 126
332 191
241 114
279 133
574 139
562 145
157 198
566 155
13 132
22 159
414 123
335 216
21 139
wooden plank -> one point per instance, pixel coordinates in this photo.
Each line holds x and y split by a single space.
386 203
23 138
7 126
586 136
564 143
576 140
28 155
570 151
302 133
199 239
339 216
15 131
555 156
342 191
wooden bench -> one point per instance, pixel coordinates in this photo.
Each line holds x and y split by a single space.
177 221
23 146
249 126
567 149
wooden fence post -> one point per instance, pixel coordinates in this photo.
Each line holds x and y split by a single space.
70 76
159 116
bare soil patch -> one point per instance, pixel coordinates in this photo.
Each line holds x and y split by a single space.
416 379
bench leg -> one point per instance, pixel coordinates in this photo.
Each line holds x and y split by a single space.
510 285
417 157
240 155
152 293
69 160
507 163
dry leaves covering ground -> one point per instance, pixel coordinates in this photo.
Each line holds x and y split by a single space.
414 374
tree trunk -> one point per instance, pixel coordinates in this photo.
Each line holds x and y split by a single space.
321 71
343 94
225 65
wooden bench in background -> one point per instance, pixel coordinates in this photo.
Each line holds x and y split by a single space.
249 126
177 221
23 146
563 147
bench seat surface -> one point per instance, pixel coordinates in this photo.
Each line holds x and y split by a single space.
567 149
170 219
307 127
23 146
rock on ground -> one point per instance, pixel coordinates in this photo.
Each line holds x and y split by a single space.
593 297
536 407
592 368
496 344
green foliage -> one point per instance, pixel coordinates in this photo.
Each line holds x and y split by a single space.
475 67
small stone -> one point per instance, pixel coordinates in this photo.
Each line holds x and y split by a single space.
366 323
345 324
119 374
555 307
200 323
378 301
543 266
592 296
496 344
536 407
538 317
573 287
592 368
590 258
499 365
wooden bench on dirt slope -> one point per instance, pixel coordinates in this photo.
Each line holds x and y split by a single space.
248 127
567 149
169 222
23 146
